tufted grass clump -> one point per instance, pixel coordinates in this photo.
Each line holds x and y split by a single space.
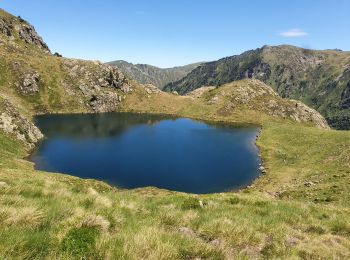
80 242
191 203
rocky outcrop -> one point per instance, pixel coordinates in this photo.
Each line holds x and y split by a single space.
303 113
17 28
197 93
151 89
103 86
345 96
5 28
28 34
252 94
29 84
317 78
13 123
105 102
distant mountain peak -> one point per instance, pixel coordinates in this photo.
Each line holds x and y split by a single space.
321 79
149 74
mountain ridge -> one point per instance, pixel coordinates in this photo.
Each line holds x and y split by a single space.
296 209
149 74
320 79
34 81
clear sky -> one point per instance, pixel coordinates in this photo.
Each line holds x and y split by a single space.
166 33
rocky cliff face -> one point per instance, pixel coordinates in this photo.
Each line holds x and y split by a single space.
317 78
50 83
102 86
17 28
13 123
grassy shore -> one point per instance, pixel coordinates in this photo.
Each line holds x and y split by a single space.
300 208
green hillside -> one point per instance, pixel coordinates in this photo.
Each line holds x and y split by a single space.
298 209
320 79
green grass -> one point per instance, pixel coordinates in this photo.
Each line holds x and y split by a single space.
58 216
299 209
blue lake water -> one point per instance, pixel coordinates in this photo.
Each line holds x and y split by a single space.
137 150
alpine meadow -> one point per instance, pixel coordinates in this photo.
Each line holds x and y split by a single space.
242 157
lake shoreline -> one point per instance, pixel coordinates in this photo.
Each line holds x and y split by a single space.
166 117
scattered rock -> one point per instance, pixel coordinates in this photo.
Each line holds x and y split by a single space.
269 239
262 169
303 113
104 102
309 183
291 242
197 93
187 231
115 78
28 34
5 28
214 100
3 184
279 194
92 191
215 242
125 88
12 122
29 85
175 93
151 89
201 204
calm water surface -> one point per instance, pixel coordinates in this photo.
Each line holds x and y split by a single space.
137 150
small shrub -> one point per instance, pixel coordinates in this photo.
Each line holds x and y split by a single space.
31 193
21 19
268 250
316 229
169 220
58 54
234 200
324 216
260 203
303 254
329 199
88 203
191 203
341 228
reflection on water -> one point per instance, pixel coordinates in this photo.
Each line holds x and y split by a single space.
137 150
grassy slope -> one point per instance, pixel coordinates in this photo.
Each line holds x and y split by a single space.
253 111
51 96
317 78
59 216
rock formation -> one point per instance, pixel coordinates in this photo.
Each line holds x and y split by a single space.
13 123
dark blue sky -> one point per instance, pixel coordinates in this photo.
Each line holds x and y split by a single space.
166 33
